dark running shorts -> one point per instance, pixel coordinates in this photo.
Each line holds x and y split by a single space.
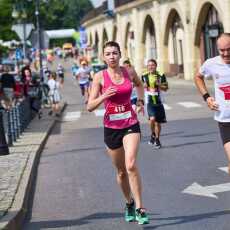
82 86
134 101
224 131
157 111
61 75
113 138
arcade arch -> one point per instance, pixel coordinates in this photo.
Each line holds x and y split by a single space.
149 39
180 34
104 37
96 44
174 43
129 43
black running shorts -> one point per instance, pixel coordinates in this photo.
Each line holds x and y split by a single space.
157 111
113 138
224 131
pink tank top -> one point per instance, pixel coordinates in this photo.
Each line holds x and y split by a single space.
119 113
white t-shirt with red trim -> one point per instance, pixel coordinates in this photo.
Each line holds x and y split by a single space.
220 72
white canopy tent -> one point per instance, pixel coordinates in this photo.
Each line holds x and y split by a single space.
52 34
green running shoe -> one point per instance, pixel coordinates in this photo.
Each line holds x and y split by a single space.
130 212
141 216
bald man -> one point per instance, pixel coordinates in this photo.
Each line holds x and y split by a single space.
219 69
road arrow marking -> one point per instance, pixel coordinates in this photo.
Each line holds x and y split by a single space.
209 191
224 169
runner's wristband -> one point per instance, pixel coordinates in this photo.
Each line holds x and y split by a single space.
141 101
206 96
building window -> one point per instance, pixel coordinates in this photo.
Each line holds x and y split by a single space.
211 30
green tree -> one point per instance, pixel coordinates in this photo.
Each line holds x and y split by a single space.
76 12
61 14
6 21
56 14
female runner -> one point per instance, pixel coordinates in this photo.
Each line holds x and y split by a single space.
113 87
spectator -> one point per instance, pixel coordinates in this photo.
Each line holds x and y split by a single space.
7 84
60 73
26 63
54 94
74 70
32 92
1 69
26 79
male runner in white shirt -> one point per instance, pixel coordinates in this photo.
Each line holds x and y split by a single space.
219 69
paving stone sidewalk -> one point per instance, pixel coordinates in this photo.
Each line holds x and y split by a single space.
18 169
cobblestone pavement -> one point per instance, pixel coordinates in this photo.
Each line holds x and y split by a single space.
13 166
11 169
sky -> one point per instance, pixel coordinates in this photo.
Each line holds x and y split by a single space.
97 3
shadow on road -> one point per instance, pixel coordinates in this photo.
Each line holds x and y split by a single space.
74 151
200 134
76 222
187 144
186 219
102 216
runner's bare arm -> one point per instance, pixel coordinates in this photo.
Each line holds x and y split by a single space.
164 87
137 83
163 83
201 86
95 98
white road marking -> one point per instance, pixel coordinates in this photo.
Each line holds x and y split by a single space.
72 116
208 191
189 104
167 107
99 112
224 169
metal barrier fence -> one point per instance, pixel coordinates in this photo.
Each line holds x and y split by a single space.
16 120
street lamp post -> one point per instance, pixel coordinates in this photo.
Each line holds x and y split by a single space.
19 13
24 15
37 6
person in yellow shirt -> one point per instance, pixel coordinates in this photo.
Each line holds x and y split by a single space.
154 83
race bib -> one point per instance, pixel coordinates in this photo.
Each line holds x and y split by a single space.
152 93
119 112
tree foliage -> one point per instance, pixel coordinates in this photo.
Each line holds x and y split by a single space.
6 20
54 14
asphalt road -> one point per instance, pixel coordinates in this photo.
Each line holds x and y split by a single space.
76 188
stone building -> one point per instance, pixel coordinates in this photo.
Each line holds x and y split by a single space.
179 34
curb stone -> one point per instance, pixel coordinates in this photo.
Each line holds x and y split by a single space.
15 216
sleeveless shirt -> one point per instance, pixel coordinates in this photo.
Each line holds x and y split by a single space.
118 109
